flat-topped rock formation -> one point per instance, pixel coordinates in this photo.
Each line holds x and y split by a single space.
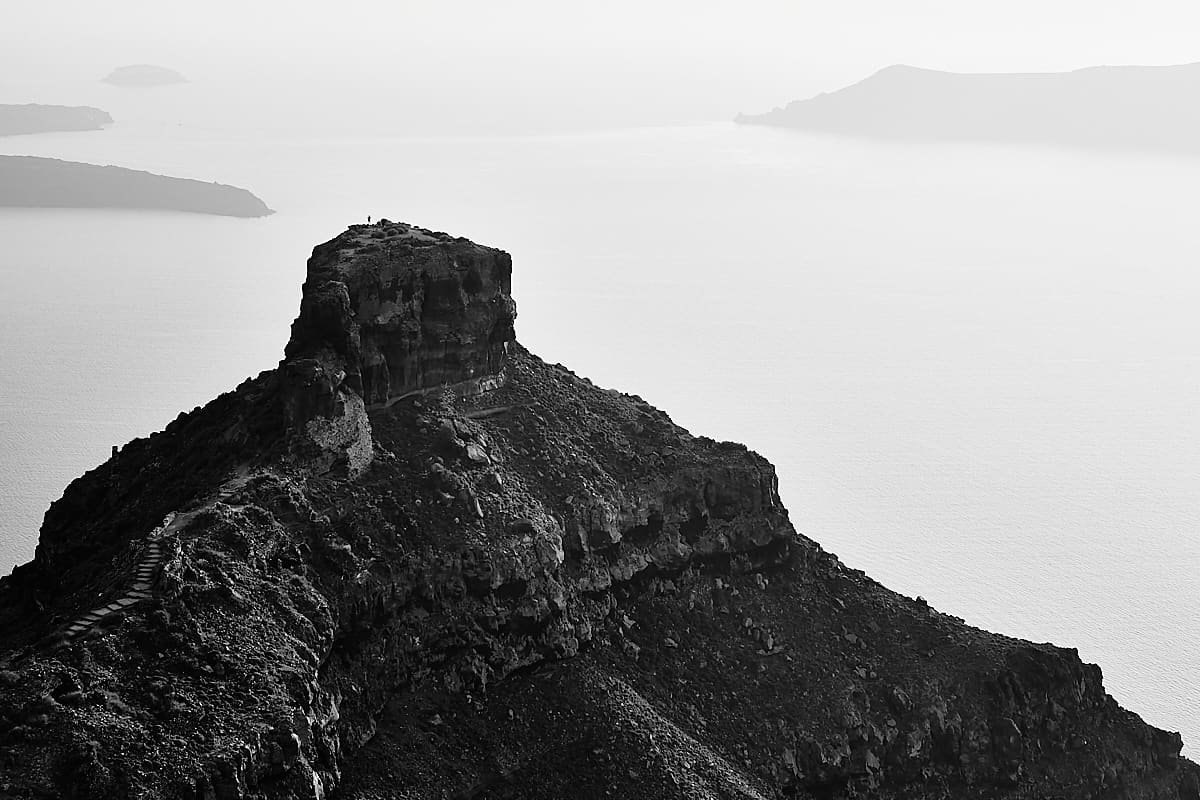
143 75
407 309
390 310
31 182
447 569
37 118
1120 108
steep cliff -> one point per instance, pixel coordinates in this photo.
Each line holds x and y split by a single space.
416 561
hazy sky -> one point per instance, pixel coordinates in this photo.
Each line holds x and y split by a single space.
627 60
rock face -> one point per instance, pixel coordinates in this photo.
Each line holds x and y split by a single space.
35 118
1112 108
31 182
143 75
390 311
526 587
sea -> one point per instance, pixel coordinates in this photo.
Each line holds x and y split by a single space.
975 367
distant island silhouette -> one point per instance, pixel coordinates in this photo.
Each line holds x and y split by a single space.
142 75
30 182
37 118
1123 107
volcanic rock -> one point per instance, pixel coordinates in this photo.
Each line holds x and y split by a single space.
348 605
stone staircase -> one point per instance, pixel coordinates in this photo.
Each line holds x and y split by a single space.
146 572
143 580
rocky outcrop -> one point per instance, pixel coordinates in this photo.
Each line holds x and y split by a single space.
390 311
405 309
534 587
35 118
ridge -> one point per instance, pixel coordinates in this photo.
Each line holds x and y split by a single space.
414 560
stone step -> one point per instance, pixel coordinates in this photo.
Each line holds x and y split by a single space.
140 586
113 607
126 601
140 594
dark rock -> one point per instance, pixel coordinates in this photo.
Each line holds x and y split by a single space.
599 608
897 700
422 311
521 526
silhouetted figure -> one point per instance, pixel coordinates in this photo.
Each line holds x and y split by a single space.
368 219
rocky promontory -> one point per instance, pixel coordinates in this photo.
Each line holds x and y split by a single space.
1130 108
416 561
31 182
36 118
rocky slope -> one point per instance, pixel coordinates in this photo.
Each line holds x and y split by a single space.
1110 108
415 561
31 182
35 118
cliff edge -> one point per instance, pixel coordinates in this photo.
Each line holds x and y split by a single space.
416 561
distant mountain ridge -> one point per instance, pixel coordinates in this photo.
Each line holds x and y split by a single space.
31 182
143 75
38 118
1108 107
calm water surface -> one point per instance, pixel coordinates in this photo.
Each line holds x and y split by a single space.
976 369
